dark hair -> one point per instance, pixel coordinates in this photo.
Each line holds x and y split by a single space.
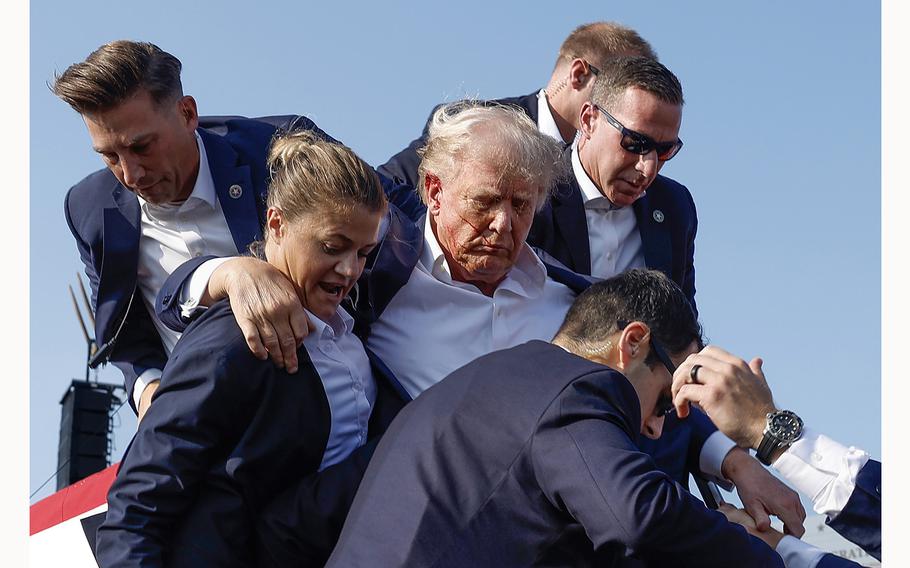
621 73
116 71
641 295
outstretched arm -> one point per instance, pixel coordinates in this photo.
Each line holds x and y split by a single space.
266 305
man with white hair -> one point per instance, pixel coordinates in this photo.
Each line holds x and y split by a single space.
461 282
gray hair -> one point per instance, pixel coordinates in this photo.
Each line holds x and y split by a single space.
502 136
621 73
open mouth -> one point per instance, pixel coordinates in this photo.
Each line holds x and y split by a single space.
336 290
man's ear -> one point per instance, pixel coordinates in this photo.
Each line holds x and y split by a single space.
433 187
586 119
633 343
274 224
186 107
580 75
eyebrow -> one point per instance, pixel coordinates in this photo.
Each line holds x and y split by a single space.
136 141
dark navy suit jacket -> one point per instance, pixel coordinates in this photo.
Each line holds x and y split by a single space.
225 434
665 217
104 218
511 454
860 521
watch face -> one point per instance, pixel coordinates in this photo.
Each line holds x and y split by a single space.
786 426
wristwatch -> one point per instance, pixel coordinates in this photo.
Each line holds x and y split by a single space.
782 429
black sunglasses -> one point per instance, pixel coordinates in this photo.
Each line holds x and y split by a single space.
641 144
664 404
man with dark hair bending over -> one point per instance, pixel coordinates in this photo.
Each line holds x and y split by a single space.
522 455
523 448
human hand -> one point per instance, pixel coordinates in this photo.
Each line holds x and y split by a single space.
763 494
732 393
770 536
266 306
145 399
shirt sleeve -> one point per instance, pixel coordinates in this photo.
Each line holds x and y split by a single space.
194 288
822 469
711 458
145 379
798 554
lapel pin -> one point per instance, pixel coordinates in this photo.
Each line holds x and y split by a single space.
658 215
235 191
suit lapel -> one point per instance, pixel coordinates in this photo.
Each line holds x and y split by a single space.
572 225
120 234
396 258
529 104
655 236
240 208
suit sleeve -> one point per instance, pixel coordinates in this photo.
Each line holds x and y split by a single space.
301 525
688 281
588 466
402 167
832 561
860 521
202 404
138 347
167 303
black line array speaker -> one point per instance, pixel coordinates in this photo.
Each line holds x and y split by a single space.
85 431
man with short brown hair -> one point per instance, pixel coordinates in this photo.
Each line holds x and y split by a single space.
175 186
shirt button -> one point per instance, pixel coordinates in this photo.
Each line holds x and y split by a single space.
816 456
198 254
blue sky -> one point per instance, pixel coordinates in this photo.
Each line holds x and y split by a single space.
782 155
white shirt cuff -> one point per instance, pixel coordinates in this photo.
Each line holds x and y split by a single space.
142 381
822 469
194 288
711 458
798 554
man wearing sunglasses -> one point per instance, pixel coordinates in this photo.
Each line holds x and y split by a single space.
615 212
554 108
528 456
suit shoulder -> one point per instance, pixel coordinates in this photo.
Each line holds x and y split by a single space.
96 186
215 331
84 202
670 190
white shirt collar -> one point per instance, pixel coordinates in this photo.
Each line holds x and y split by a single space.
341 323
526 278
545 121
591 194
203 189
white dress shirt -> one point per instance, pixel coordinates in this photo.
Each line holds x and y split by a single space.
343 366
546 124
613 237
825 471
171 234
435 325
822 469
